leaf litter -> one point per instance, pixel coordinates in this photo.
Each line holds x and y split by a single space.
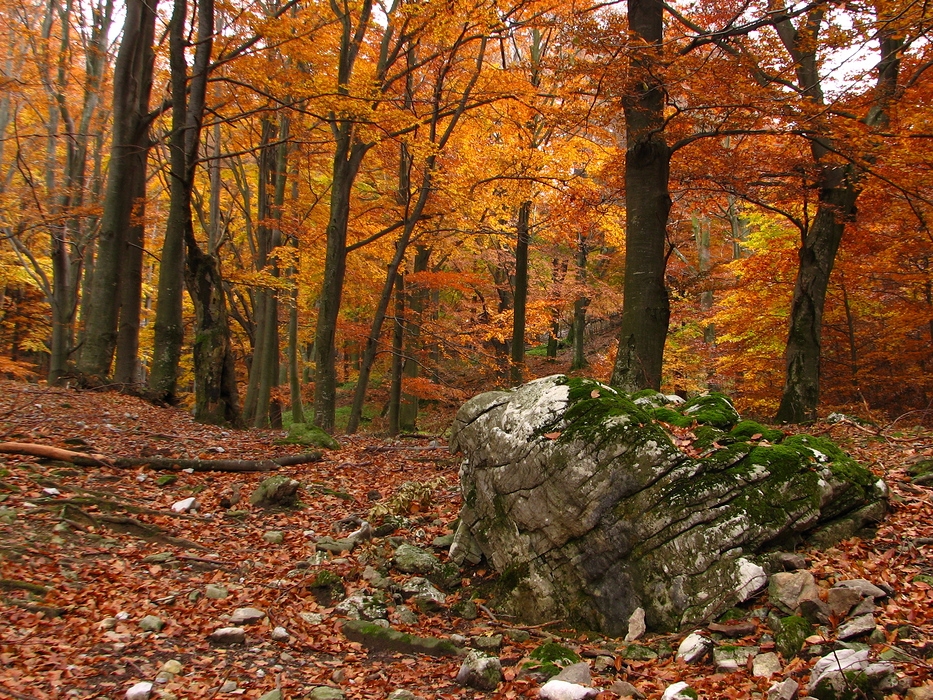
74 589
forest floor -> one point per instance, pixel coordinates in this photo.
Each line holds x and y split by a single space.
87 552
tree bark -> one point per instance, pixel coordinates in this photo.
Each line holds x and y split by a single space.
520 296
646 306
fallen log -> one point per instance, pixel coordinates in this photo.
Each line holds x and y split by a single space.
166 463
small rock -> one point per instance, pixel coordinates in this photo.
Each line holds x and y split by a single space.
480 671
636 625
325 692
402 694
815 611
766 665
924 692
694 648
185 505
488 643
855 627
338 676
280 634
140 691
151 623
108 623
278 490
419 587
785 690
626 690
789 561
414 560
172 666
786 590
556 689
729 658
215 591
228 635
679 691
841 600
833 674
865 588
271 695
405 615
312 618
246 616
228 687
273 537
578 673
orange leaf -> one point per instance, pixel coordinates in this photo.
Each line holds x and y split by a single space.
594 394
552 436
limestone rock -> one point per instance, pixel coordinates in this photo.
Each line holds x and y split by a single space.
273 537
278 490
280 634
787 590
766 665
679 691
578 673
728 658
140 691
864 587
325 692
246 616
625 689
480 671
863 624
556 689
308 434
414 560
636 625
784 690
228 636
151 623
694 648
215 591
363 607
584 505
418 587
379 638
848 673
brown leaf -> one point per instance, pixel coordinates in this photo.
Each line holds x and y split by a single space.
552 436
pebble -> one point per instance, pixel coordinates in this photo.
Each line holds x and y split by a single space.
140 691
246 616
280 634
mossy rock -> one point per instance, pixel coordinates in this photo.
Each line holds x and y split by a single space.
379 638
921 468
277 490
791 634
747 429
327 588
549 658
672 417
166 480
308 434
712 409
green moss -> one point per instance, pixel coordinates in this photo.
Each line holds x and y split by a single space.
732 614
791 634
745 429
707 435
669 415
308 434
917 469
510 579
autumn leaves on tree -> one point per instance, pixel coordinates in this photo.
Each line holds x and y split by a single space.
380 204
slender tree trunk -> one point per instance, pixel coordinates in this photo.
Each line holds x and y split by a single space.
580 305
417 304
646 306
130 146
131 285
398 348
520 299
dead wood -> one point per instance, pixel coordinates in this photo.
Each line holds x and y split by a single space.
168 463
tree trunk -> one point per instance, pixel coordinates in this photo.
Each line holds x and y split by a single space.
646 306
520 298
131 286
417 304
579 309
398 348
132 85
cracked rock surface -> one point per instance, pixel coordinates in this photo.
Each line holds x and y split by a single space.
579 497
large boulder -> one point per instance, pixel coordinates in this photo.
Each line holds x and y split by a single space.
580 499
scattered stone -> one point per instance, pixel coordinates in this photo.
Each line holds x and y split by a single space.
151 623
784 690
325 692
694 648
271 695
327 588
418 587
866 607
215 591
140 691
273 537
480 671
280 634
488 643
228 636
172 668
730 658
834 675
815 611
625 689
790 634
277 490
857 626
414 560
312 618
788 561
375 579
679 691
636 625
246 616
228 687
185 505
517 635
405 615
466 609
329 544
443 541
363 607
402 694
766 665
924 692
786 590
556 689
338 676
578 673
841 600
379 638
865 588
309 434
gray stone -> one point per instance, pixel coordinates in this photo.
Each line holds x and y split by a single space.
788 561
841 600
636 625
273 537
581 498
488 643
312 618
924 692
837 672
414 560
865 588
246 616
480 671
694 648
815 611
625 689
679 691
556 689
278 490
379 638
271 695
151 623
418 587
280 634
215 591
325 692
402 694
784 690
578 673
766 665
729 658
311 435
857 626
228 635
228 687
363 607
405 615
786 590
140 691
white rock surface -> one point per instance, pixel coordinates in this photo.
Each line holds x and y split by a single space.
694 648
562 690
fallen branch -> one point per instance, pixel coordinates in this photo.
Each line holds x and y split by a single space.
10 584
168 463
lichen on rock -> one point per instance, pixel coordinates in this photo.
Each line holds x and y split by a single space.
577 495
